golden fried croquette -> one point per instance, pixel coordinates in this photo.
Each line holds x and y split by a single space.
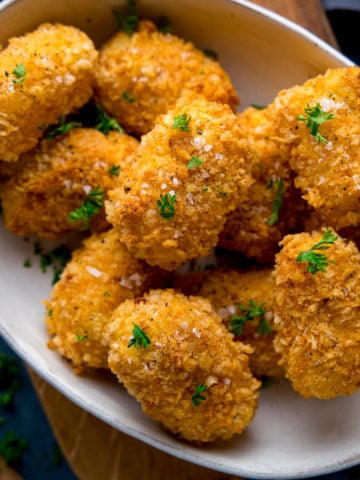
327 166
274 206
143 75
192 377
51 182
173 205
100 275
244 301
44 75
317 316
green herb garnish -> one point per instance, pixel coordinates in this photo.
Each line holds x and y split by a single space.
91 205
163 25
315 117
318 261
81 337
194 162
9 378
128 19
257 106
128 97
106 123
139 339
57 258
63 128
19 72
211 53
166 205
114 170
277 203
197 398
250 313
181 122
12 446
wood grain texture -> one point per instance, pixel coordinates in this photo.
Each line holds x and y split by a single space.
308 13
94 449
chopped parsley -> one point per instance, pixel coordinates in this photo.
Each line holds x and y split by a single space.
9 378
166 205
80 337
27 263
12 446
139 339
91 205
128 19
19 72
315 117
197 398
62 128
163 25
114 170
211 53
318 261
257 106
250 313
194 162
277 203
128 97
106 123
57 258
107 294
181 122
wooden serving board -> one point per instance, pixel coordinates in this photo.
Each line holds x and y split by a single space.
95 450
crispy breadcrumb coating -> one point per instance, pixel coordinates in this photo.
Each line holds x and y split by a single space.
232 291
328 173
190 348
100 275
274 206
317 317
59 63
200 193
54 180
143 75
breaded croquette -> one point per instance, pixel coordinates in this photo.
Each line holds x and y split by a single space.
321 120
175 356
244 301
44 75
274 206
55 180
192 170
143 75
100 275
317 311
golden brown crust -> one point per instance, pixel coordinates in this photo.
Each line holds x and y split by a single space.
189 347
59 62
100 276
204 194
227 290
317 318
328 174
251 229
49 183
154 70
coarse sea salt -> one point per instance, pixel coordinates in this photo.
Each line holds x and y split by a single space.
93 271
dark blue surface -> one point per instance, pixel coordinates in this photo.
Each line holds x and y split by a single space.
41 459
24 416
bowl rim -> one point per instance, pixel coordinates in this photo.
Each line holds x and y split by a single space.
50 376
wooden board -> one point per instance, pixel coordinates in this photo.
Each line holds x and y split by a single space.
97 451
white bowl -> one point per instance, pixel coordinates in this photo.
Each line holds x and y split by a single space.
290 437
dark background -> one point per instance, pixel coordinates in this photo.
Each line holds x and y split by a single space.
42 460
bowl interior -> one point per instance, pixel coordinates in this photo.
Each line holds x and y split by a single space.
289 437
